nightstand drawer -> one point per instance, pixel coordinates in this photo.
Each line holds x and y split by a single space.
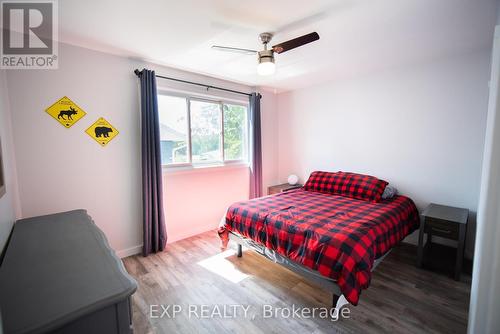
441 228
281 188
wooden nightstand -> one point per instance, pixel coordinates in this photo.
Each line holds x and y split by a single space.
282 188
447 222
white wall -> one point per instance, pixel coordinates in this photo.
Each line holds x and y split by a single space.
9 203
485 291
420 128
62 169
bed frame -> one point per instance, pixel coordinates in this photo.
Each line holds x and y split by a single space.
314 276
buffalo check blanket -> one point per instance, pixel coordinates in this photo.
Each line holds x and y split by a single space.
337 236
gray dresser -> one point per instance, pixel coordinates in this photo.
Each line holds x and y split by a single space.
59 275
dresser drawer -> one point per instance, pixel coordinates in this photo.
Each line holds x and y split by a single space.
441 228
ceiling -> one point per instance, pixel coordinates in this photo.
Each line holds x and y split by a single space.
357 36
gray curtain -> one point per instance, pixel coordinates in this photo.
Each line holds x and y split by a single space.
256 147
155 235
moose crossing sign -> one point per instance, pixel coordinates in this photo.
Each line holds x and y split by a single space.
102 131
66 112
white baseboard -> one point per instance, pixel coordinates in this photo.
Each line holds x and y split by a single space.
129 251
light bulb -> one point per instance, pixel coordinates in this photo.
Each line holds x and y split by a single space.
266 68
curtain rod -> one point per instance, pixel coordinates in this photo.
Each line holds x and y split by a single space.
138 73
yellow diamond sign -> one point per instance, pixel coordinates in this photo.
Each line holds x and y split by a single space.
66 112
102 131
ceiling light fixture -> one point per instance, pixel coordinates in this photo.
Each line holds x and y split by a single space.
266 64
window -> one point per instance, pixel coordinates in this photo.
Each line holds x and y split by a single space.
197 131
174 140
206 134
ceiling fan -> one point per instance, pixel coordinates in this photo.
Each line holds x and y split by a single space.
266 65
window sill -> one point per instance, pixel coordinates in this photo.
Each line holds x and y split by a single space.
172 170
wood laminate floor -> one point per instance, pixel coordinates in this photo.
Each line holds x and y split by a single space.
401 298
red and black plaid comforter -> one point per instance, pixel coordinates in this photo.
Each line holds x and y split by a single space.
340 237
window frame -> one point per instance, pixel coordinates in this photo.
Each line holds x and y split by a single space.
221 102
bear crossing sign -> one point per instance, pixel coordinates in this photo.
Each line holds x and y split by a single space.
102 131
66 112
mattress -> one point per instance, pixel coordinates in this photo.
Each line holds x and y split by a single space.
337 236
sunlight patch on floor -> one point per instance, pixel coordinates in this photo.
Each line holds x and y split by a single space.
218 264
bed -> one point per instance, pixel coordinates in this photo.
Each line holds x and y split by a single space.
325 231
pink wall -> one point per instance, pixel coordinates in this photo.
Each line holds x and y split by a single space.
269 127
195 200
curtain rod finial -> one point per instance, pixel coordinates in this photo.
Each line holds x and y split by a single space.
137 72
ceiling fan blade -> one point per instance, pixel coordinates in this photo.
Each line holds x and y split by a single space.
234 50
296 42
